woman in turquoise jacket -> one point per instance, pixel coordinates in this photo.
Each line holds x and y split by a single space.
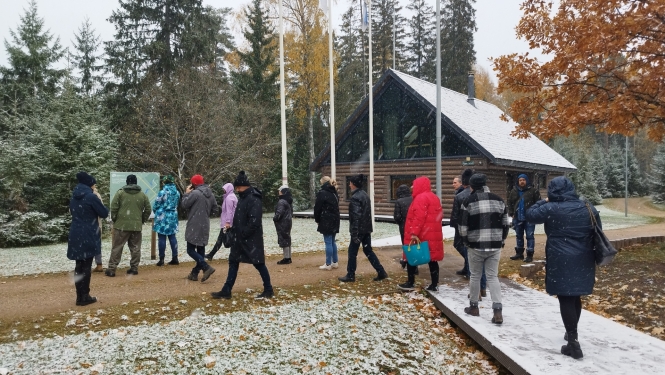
165 224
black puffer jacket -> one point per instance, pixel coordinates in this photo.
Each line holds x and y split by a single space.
326 210
402 205
284 218
460 195
248 229
530 194
571 267
360 214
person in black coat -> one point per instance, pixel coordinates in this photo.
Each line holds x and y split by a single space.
571 268
326 215
360 227
402 205
84 234
283 222
248 245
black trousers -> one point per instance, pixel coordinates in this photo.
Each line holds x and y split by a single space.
571 309
82 277
433 272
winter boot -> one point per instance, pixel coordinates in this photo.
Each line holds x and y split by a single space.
85 300
498 317
406 287
529 257
519 254
99 268
161 262
572 349
284 261
382 275
268 293
472 310
207 273
347 279
174 261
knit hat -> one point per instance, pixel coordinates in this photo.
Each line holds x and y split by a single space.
241 180
466 175
357 180
282 189
132 180
197 180
168 179
524 177
85 179
477 181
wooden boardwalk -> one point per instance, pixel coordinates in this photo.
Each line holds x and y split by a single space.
530 339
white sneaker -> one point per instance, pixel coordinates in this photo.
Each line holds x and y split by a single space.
325 267
335 265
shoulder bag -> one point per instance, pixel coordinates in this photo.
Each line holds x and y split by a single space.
602 246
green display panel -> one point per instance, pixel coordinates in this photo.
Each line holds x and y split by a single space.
148 181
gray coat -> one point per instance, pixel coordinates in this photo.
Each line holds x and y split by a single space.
200 204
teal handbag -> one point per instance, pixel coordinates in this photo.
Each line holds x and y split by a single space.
417 254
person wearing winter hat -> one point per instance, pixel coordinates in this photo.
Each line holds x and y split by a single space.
130 209
283 220
165 223
520 199
200 203
248 244
483 227
360 227
84 240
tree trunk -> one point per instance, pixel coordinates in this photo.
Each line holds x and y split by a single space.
310 141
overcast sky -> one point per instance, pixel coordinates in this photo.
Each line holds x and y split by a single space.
496 21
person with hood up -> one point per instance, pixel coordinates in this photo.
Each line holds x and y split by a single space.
200 203
326 215
229 203
423 223
248 244
283 219
84 234
166 219
130 209
402 205
571 267
520 198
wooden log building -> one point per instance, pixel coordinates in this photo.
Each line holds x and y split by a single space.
472 136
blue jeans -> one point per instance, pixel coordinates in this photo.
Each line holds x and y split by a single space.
233 274
197 253
331 249
161 245
366 241
522 227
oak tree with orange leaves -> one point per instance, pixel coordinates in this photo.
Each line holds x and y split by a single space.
607 68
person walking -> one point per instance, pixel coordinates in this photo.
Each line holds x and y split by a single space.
571 267
521 197
360 227
229 203
130 208
402 205
166 219
98 256
423 223
200 203
248 244
484 227
283 220
84 240
326 215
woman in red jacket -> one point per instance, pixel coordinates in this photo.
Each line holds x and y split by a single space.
423 222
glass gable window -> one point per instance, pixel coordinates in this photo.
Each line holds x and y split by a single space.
403 129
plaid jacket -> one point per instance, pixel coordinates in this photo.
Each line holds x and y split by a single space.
484 223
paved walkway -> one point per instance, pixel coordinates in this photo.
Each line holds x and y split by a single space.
530 339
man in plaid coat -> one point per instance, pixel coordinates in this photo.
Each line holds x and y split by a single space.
483 228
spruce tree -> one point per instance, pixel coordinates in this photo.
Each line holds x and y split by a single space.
597 164
386 20
32 54
352 71
258 74
657 175
457 50
422 41
615 170
86 58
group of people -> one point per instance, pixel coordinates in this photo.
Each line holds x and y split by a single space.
481 220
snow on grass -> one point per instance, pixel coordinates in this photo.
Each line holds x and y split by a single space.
352 335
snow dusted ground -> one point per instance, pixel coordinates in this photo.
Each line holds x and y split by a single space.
305 238
340 335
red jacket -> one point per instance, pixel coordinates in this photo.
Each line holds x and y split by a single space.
424 218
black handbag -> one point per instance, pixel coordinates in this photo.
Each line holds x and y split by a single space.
604 251
229 238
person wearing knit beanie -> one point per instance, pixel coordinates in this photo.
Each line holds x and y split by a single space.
478 181
241 180
168 179
197 180
85 179
522 196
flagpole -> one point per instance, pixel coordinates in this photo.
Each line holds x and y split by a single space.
394 36
438 98
332 92
371 114
285 178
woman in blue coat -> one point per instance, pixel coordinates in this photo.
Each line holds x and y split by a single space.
166 219
571 266
84 234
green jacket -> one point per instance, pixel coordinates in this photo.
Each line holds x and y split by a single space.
130 208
